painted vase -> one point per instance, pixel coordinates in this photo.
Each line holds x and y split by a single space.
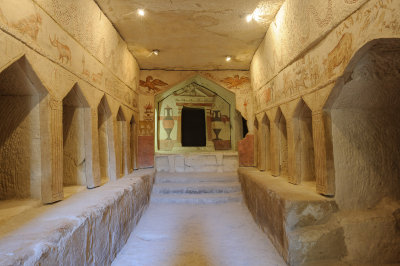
216 123
168 121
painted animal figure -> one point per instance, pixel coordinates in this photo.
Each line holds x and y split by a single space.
63 50
340 54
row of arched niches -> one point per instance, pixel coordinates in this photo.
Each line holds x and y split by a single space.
50 148
345 143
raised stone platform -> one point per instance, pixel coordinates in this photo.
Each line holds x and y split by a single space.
295 217
197 162
309 229
89 228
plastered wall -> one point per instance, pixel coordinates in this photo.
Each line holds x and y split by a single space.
153 82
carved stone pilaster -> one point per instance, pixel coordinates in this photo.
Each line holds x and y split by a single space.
93 176
324 171
52 149
293 175
274 150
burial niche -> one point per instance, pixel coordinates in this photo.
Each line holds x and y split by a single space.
76 128
364 109
133 143
121 142
304 145
282 143
105 139
257 144
266 142
194 127
20 145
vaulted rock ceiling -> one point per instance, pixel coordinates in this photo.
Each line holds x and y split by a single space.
191 34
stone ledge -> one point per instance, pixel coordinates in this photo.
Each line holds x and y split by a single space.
87 228
197 162
290 215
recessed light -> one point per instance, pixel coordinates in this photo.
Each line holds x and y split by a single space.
156 52
228 58
249 17
140 12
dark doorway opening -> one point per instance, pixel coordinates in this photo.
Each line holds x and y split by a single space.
193 127
245 128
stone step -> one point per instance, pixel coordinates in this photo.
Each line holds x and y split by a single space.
210 198
163 177
199 188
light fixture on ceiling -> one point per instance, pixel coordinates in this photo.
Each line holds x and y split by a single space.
228 59
249 17
155 52
140 12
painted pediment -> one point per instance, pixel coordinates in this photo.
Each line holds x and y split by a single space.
194 90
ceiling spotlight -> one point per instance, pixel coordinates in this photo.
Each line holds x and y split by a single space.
140 12
249 17
228 58
156 52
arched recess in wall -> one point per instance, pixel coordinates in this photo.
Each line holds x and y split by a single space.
218 104
106 141
363 110
76 124
303 144
121 142
282 142
257 142
133 127
266 145
22 147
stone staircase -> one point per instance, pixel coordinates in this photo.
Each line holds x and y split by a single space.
196 188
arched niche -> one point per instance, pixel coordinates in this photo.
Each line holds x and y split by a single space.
76 124
363 113
121 142
23 101
133 138
303 143
266 143
282 142
257 143
106 142
198 93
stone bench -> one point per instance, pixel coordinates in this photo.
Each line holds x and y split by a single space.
295 218
90 227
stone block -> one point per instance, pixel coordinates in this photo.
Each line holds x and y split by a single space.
299 222
162 163
200 160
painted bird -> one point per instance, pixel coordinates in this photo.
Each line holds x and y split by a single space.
151 84
235 81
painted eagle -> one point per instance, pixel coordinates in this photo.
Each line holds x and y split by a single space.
151 84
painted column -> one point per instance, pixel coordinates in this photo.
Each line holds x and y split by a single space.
52 149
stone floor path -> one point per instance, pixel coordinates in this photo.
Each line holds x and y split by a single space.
185 234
